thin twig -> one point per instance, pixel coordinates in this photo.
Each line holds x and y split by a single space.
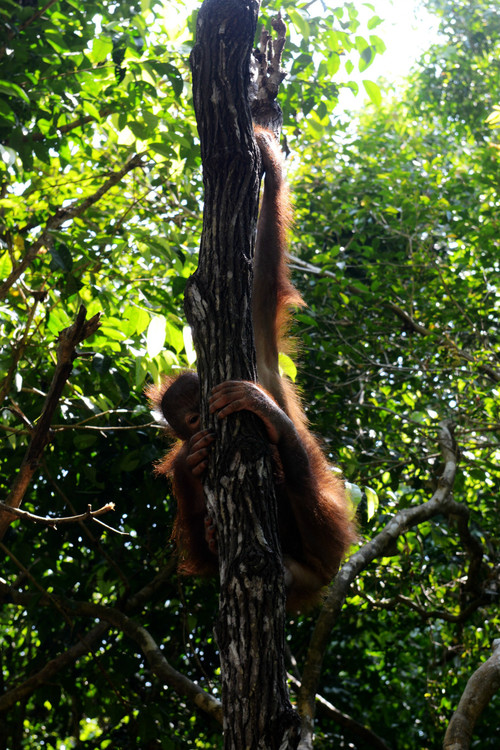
54 522
25 25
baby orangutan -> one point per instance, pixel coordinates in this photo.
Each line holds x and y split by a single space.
313 515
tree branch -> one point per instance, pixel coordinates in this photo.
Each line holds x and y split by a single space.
110 616
157 661
79 123
374 549
480 688
239 485
54 666
410 323
54 522
17 352
62 214
372 740
68 340
425 614
36 15
86 642
267 76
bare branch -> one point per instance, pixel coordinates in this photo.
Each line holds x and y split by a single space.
68 340
480 688
54 522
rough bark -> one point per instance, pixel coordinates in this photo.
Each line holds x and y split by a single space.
239 488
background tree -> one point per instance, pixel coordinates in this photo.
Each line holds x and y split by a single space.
396 252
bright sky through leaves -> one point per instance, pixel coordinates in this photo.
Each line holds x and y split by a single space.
407 31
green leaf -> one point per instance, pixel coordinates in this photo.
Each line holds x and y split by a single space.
373 22
12 89
299 22
373 91
493 119
5 265
61 257
377 44
174 337
58 320
372 502
409 399
6 112
138 319
366 59
101 48
176 80
91 109
287 366
164 149
354 493
141 372
115 334
151 120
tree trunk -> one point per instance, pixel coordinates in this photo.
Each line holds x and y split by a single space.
239 487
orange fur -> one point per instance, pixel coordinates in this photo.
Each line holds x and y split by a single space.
314 518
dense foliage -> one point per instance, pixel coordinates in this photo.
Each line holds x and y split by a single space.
396 251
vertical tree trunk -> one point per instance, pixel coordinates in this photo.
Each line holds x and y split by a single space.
239 488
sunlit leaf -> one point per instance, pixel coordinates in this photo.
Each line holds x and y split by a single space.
287 366
155 337
373 91
354 493
371 502
12 89
188 345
